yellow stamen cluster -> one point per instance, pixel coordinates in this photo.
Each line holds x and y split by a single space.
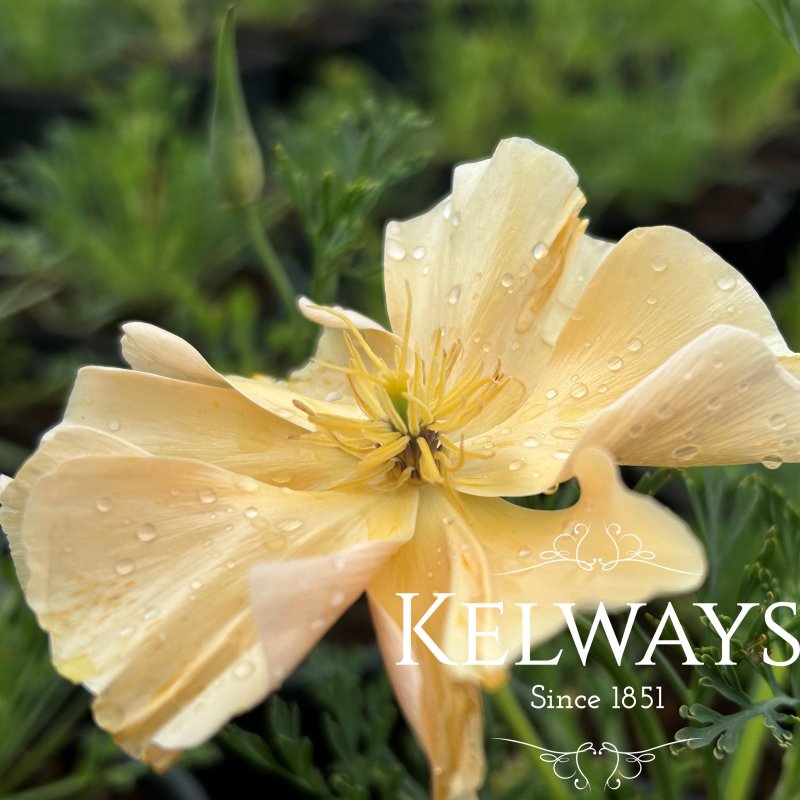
413 410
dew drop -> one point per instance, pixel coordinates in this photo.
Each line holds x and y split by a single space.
651 300
540 250
457 218
551 393
524 552
333 396
243 670
488 445
726 283
147 532
714 404
195 584
289 525
615 363
772 462
208 542
426 270
230 564
453 295
579 390
127 632
337 598
515 465
531 441
448 209
395 250
602 388
777 422
742 387
419 252
507 279
515 346
152 613
114 424
318 624
664 411
659 264
339 563
447 520
561 455
636 431
207 496
634 345
103 505
247 484
251 512
124 567
685 452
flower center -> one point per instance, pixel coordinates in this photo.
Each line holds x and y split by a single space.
414 411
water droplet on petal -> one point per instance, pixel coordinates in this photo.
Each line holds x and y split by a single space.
524 552
659 264
561 455
772 462
664 411
602 388
565 432
540 250
395 250
515 465
337 598
419 252
103 505
247 484
447 520
195 584
634 345
147 532
124 567
448 209
636 431
615 363
777 422
507 279
685 452
318 624
531 441
551 393
339 563
251 512
289 525
743 387
243 670
152 613
726 283
453 295
457 218
579 390
207 496
127 632
114 425
332 397
651 300
714 404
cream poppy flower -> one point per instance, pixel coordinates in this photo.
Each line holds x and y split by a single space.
186 537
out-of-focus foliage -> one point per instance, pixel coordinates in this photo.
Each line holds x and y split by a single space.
338 154
785 16
668 93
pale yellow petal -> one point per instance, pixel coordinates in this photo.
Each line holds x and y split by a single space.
483 264
140 571
296 601
217 425
59 444
656 291
723 399
446 714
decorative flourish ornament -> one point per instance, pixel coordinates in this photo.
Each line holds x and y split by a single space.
186 537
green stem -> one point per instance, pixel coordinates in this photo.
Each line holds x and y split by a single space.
746 766
647 725
73 786
509 709
269 259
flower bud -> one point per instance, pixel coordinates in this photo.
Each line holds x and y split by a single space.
235 153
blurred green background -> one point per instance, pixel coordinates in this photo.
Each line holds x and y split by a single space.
683 112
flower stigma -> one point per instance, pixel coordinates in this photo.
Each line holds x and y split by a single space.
415 411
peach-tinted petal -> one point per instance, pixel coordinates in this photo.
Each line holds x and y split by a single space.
217 425
490 551
57 445
446 714
656 291
723 399
296 601
140 571
485 261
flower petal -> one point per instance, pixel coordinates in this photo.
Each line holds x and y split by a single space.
59 444
656 291
485 262
140 571
446 714
723 399
217 425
